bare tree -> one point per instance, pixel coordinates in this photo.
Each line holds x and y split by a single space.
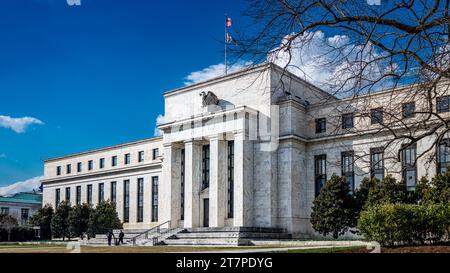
400 47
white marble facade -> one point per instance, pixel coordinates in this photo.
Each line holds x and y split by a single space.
265 120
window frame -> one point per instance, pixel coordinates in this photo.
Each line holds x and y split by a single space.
439 101
206 153
349 116
155 198
320 178
373 171
407 167
321 125
405 113
140 200
375 120
345 170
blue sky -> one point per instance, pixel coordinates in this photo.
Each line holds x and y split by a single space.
94 74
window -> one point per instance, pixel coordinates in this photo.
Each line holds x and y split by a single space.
58 170
321 125
347 121
347 168
141 156
78 195
140 200
126 201
113 191
320 170
89 194
205 167
114 161
409 170
90 165
376 116
127 159
377 163
443 156
101 192
68 195
79 167
25 214
155 153
4 211
154 199
230 174
182 179
102 163
443 104
408 110
68 168
57 197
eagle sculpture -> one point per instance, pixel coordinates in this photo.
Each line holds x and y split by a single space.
209 98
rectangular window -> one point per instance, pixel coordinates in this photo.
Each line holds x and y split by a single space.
89 194
182 178
78 195
347 121
4 211
321 125
102 163
140 200
90 165
114 161
154 199
126 201
68 168
113 191
25 214
205 167
68 195
230 174
377 163
443 156
141 156
155 153
347 168
127 159
101 192
79 167
443 104
320 170
58 170
376 116
409 170
408 110
57 197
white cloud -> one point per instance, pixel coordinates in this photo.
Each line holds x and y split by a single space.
3 155
213 71
18 125
22 186
159 120
331 62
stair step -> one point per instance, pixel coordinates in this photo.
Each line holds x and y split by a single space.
242 235
206 241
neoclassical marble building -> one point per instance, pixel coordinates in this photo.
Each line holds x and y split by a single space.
250 149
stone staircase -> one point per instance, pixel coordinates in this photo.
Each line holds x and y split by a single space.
227 236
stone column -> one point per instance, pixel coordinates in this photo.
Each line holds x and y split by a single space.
169 187
243 181
218 182
192 181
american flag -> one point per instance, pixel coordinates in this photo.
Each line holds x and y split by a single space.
228 22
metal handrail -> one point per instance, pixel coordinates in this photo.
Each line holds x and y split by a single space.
147 232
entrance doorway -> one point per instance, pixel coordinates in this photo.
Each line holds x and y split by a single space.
206 212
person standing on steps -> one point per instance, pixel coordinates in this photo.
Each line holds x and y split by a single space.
110 236
121 235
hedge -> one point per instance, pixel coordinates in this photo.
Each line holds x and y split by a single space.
405 224
18 234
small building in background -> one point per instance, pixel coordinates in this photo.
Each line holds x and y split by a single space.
21 206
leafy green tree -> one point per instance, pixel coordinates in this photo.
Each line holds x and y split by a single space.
388 191
79 219
438 191
103 218
333 209
43 219
362 193
8 223
60 222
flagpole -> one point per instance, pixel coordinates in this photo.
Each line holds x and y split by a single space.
226 45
